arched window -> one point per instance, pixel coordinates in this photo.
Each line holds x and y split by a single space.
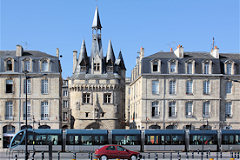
44 66
44 127
24 127
171 127
9 65
8 129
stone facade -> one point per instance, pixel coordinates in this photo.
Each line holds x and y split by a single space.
97 86
66 111
43 92
177 90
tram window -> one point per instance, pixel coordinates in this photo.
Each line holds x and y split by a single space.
41 139
237 139
30 139
200 139
100 140
177 139
86 140
53 139
153 139
126 140
167 140
162 140
70 140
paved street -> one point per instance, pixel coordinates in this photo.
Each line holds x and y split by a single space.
160 156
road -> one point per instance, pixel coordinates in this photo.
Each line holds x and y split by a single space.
146 156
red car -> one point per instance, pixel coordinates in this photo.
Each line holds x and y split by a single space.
115 151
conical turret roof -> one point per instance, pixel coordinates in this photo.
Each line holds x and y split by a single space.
120 61
83 53
96 20
110 53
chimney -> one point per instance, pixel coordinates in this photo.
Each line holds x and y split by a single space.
215 52
171 50
74 60
179 51
19 51
57 52
141 53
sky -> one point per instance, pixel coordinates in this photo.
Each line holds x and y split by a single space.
155 25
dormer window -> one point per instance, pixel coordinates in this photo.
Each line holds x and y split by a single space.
155 66
83 69
109 68
9 65
96 67
229 67
207 67
27 65
189 68
44 66
173 67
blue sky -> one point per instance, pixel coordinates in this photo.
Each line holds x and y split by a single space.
156 25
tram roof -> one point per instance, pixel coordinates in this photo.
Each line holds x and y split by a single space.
230 131
86 131
126 131
203 131
168 131
47 131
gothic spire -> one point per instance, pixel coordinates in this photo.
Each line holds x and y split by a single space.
96 20
120 61
83 52
110 53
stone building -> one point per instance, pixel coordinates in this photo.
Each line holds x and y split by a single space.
97 86
193 90
44 80
66 112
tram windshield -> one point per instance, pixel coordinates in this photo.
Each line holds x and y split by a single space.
17 139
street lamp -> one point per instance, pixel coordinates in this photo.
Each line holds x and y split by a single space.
26 127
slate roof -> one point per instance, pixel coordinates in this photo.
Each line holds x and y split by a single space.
36 56
198 57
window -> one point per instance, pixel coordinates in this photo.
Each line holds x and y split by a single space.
28 86
172 109
173 67
229 68
65 93
172 87
206 68
44 110
126 139
229 87
189 88
102 114
65 104
96 67
9 65
28 110
65 82
9 110
86 114
86 97
111 148
83 69
65 116
9 86
107 97
189 68
155 87
206 88
206 109
26 65
189 109
155 109
44 86
228 109
155 66
44 66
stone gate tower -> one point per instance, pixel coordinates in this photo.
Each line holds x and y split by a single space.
97 86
